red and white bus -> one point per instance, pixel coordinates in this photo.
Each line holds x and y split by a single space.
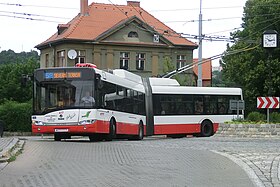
124 105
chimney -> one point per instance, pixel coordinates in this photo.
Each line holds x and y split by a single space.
133 3
84 7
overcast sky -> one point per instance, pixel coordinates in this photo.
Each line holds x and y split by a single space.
19 33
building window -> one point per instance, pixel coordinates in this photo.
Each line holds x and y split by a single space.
124 60
181 61
156 38
133 34
60 59
47 60
81 57
140 61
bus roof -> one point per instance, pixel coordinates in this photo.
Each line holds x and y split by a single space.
122 78
163 82
195 90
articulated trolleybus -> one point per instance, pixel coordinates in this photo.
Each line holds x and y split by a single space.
102 105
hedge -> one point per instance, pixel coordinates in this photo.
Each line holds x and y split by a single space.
17 116
256 117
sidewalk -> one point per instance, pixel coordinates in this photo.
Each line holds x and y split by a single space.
9 146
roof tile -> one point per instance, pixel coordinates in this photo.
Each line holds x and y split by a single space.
102 17
206 69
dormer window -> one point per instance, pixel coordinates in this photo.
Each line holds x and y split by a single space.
61 28
133 34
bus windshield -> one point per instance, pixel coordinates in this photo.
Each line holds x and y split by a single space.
64 94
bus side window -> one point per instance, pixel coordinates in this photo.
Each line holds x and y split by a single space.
222 108
198 107
182 109
163 108
189 108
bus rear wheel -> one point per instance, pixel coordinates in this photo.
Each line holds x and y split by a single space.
206 128
140 134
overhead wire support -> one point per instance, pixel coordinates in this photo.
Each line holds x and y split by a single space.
200 37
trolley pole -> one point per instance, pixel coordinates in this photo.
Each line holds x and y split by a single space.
199 78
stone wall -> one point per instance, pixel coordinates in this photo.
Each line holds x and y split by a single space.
249 130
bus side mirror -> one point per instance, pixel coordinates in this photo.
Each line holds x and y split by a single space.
98 82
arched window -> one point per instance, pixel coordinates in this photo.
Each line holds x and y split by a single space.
133 34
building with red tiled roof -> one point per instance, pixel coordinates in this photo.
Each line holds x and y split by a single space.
115 36
206 71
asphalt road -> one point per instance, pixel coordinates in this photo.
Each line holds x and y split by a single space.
151 162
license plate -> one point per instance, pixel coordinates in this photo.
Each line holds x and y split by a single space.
60 130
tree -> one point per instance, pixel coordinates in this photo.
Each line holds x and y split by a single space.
10 81
251 69
183 78
217 79
7 57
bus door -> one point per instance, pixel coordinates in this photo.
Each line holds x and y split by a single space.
103 120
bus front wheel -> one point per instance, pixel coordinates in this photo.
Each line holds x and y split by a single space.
206 128
60 136
95 137
112 131
57 137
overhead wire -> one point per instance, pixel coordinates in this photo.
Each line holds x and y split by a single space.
191 65
205 8
260 30
182 35
214 38
27 18
39 6
36 15
118 8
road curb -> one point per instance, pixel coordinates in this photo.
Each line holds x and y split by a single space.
250 172
13 148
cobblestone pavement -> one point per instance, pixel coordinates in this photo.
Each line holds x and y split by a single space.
260 158
151 162
4 142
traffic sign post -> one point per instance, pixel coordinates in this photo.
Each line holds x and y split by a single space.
267 102
237 105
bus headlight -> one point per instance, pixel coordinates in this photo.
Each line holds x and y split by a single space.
39 123
87 122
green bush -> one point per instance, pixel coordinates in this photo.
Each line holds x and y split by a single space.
17 116
274 117
256 117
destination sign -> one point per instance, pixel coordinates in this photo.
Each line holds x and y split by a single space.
62 75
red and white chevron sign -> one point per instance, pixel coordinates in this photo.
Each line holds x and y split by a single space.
268 102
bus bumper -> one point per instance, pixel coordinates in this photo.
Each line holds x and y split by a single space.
97 127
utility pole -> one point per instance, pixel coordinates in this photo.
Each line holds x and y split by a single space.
199 78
